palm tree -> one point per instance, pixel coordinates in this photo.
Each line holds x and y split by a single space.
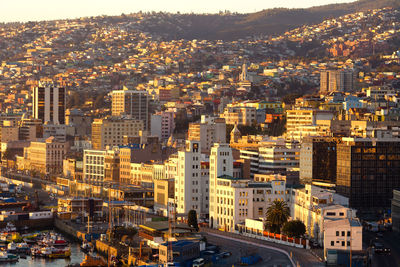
277 215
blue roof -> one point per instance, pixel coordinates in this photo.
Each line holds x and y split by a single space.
179 243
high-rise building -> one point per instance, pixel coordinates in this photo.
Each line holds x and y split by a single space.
49 103
336 80
318 161
396 210
189 183
110 131
133 103
368 169
221 164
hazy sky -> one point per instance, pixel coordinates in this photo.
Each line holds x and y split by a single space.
25 10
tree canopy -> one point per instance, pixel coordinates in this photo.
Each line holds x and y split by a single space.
294 228
277 215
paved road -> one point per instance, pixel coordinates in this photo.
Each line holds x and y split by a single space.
302 256
244 248
390 240
26 178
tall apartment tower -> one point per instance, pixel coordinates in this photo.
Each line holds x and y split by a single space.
221 164
188 184
336 80
49 103
133 103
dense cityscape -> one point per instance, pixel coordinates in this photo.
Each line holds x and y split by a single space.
131 141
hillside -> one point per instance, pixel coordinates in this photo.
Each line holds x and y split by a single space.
266 22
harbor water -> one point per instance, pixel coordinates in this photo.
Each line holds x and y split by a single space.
76 257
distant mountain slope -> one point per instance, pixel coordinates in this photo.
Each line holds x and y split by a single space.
277 20
266 22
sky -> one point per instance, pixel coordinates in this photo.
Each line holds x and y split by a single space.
33 10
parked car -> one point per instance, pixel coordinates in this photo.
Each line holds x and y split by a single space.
225 254
198 262
380 249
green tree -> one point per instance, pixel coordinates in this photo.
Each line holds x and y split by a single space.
192 220
277 214
294 228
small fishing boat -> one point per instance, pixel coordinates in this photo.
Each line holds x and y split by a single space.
22 247
8 257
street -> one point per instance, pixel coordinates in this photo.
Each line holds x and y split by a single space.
270 256
390 240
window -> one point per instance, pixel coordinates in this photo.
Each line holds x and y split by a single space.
260 211
343 233
332 243
342 243
348 233
348 243
337 233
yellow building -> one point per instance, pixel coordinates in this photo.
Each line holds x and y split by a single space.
110 131
45 157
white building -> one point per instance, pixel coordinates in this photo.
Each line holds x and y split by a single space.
93 166
221 163
233 200
189 182
210 130
342 234
314 205
273 155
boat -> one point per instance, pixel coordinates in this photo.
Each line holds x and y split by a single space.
36 251
53 240
54 253
8 257
11 247
10 227
22 247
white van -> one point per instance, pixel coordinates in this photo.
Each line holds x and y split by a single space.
198 262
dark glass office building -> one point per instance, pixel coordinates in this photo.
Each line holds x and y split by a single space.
367 171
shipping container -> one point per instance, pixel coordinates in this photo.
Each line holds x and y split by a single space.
250 260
